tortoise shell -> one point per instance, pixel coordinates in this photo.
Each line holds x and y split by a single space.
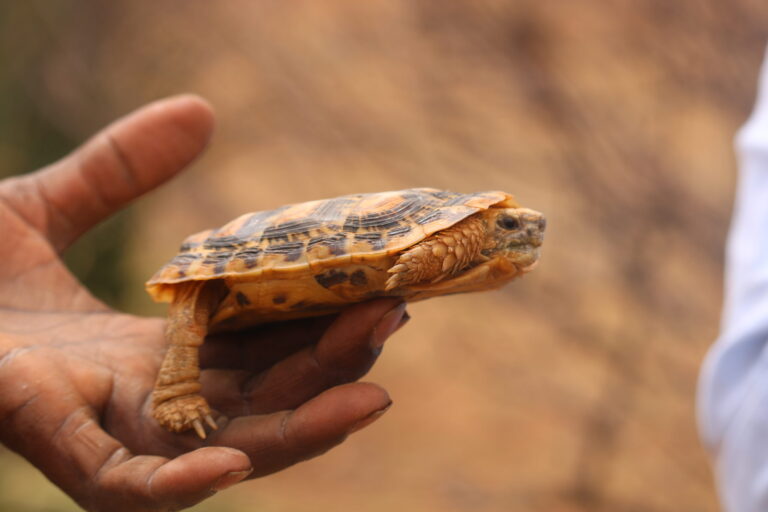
318 235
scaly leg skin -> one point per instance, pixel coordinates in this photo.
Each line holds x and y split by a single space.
176 402
440 256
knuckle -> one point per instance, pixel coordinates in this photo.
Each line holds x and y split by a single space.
18 394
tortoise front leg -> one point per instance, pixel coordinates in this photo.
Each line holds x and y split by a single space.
176 402
441 256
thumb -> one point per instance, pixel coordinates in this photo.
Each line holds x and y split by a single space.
125 160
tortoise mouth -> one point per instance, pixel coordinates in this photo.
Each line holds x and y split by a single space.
523 255
527 268
532 243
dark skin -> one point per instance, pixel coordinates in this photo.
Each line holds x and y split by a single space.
76 376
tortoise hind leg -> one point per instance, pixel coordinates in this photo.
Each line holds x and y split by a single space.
176 401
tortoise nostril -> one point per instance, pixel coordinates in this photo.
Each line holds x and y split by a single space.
542 224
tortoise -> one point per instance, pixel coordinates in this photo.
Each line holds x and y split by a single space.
317 257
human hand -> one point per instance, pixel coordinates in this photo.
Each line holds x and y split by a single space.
76 377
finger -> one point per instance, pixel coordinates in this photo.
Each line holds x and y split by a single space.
345 353
259 348
281 439
128 158
157 483
106 471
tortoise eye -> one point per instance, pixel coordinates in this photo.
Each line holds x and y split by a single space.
508 222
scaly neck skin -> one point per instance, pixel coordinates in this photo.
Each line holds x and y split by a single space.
487 275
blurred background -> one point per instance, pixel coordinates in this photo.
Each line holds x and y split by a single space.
571 390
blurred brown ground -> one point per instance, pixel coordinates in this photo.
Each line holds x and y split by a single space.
569 391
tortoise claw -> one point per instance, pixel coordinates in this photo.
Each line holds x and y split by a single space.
199 428
184 413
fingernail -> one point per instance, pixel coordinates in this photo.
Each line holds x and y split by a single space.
231 479
369 419
389 323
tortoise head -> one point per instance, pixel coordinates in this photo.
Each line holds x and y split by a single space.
514 234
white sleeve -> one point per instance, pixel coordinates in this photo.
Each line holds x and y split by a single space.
733 387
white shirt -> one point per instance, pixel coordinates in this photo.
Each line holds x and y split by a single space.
733 388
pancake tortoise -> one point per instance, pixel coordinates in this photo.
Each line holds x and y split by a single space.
315 258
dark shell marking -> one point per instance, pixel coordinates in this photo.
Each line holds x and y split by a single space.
331 278
320 232
358 278
242 299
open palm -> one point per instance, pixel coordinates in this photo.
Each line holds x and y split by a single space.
76 377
